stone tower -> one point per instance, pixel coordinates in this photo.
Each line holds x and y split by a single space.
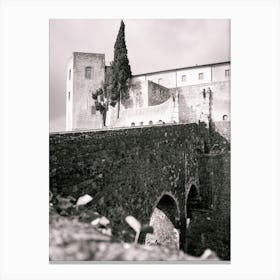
85 74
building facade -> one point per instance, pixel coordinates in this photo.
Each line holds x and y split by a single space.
85 74
182 95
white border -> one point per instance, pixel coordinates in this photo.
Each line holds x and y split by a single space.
255 138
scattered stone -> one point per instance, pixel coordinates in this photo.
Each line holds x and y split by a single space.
209 255
95 222
107 231
83 200
104 221
72 240
135 224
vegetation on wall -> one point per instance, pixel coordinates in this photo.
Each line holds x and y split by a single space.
101 103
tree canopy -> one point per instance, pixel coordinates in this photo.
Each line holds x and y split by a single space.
120 68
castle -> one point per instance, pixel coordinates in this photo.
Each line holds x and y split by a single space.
182 95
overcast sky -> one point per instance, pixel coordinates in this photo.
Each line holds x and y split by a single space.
152 45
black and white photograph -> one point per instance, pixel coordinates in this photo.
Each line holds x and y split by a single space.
139 140
139 143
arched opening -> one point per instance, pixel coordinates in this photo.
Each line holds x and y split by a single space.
195 224
150 122
193 203
165 222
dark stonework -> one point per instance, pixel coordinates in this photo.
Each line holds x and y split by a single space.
127 171
157 94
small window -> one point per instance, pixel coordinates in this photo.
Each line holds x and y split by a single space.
141 123
160 81
69 96
93 110
88 73
133 124
200 76
225 117
227 73
204 93
150 122
184 78
69 74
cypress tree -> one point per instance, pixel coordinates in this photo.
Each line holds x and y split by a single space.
120 70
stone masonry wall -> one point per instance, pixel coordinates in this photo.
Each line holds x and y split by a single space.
157 94
210 225
126 171
83 117
191 101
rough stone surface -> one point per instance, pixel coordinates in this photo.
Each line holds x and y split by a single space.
157 94
72 240
192 103
223 128
127 171
210 224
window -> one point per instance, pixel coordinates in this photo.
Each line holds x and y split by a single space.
227 73
225 117
159 81
69 95
184 78
88 72
93 110
133 124
150 122
204 93
69 74
200 76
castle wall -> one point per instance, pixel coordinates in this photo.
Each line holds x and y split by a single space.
138 93
147 90
166 79
69 95
218 72
223 128
84 116
210 228
145 115
173 78
192 76
188 76
157 94
192 103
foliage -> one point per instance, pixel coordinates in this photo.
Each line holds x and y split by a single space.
117 78
101 102
120 69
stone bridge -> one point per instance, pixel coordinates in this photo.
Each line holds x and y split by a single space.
131 171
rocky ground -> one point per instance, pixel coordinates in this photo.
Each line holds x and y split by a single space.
74 240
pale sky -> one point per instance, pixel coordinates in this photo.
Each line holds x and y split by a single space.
152 44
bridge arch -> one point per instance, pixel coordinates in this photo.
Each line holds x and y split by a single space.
165 219
193 200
